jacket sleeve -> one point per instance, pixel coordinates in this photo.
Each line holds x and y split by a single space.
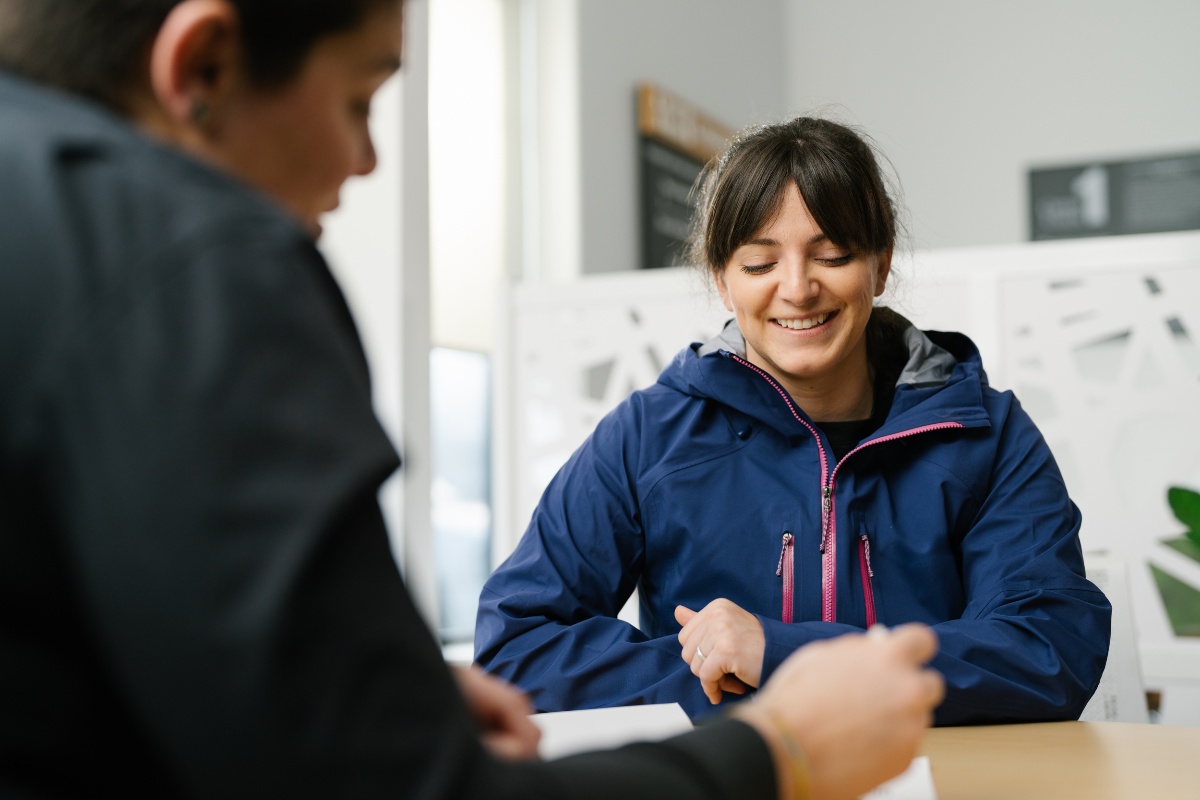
1032 640
219 463
547 617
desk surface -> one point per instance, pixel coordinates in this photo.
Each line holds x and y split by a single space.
1065 760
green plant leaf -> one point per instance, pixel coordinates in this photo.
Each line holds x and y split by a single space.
1181 602
1186 505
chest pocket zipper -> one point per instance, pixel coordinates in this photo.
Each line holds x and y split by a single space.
867 574
786 571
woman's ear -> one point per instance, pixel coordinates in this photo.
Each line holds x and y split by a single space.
881 274
722 289
193 59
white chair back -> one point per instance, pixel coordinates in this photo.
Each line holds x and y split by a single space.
1121 697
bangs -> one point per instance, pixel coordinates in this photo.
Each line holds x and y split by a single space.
746 198
839 195
833 168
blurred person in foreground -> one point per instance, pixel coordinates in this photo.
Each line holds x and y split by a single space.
197 598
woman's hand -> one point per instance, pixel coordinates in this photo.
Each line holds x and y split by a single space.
724 645
502 713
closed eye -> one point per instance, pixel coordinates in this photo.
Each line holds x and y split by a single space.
836 261
757 269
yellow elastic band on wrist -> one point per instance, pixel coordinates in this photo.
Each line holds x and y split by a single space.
801 779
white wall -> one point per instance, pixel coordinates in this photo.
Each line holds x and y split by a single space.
552 189
964 97
720 55
467 170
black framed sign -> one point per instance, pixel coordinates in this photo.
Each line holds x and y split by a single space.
1147 195
675 140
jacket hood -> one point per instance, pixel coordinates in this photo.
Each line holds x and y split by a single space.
942 378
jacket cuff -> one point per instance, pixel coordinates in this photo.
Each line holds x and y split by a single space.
784 638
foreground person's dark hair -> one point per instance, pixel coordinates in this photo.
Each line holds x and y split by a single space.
98 48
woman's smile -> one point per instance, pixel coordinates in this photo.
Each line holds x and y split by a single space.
805 323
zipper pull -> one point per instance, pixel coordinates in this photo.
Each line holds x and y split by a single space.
826 504
867 552
787 542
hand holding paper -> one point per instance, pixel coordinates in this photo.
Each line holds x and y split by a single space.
502 713
857 705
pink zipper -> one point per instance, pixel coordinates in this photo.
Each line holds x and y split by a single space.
828 552
867 574
828 543
829 599
786 570
828 483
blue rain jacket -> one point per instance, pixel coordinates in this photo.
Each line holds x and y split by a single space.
713 483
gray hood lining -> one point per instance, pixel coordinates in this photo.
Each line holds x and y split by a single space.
729 339
927 365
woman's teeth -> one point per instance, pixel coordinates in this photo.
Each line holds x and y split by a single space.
803 324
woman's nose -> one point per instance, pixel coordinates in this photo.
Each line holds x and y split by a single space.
797 284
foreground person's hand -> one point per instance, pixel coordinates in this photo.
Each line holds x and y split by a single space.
502 714
856 706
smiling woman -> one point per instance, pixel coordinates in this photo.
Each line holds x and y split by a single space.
820 467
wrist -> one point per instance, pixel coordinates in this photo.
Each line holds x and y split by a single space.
791 762
796 757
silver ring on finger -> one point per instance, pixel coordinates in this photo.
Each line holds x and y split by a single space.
699 652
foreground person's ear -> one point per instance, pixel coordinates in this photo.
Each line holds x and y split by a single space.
193 60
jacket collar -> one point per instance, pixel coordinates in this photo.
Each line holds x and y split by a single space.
941 381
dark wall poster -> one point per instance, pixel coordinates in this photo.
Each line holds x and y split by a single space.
1148 195
666 178
675 140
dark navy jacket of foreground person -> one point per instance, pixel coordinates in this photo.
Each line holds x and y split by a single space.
712 483
197 597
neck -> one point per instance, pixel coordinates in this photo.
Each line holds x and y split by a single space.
844 397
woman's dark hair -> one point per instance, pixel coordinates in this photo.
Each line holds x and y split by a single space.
834 168
97 48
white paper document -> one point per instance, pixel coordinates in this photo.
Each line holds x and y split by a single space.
915 783
568 732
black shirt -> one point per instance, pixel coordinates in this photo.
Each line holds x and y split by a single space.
845 436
